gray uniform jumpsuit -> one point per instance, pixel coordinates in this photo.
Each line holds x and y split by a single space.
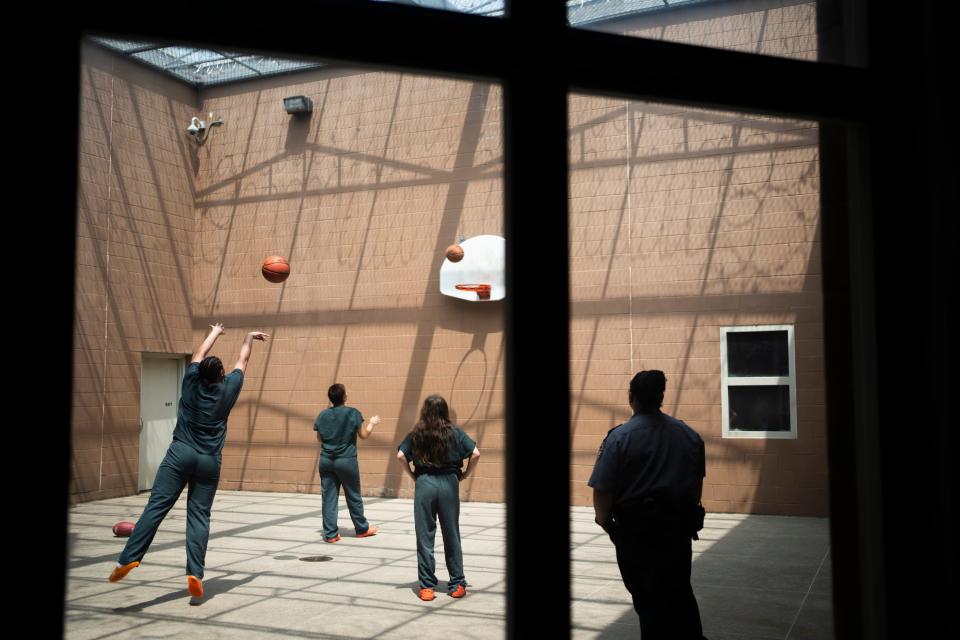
193 460
437 496
337 427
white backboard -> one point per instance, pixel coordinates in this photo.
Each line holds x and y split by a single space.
482 263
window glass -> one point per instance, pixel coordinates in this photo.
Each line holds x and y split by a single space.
757 353
782 28
760 408
477 7
694 243
364 196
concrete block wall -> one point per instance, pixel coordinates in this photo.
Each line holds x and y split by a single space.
781 28
682 221
362 198
135 224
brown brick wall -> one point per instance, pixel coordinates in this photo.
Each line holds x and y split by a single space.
362 198
782 28
135 222
682 221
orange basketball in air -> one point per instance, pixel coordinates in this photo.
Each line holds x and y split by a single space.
275 269
454 253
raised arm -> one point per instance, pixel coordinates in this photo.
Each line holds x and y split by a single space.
247 348
215 331
366 429
471 463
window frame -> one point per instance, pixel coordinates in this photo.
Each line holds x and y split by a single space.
759 381
900 53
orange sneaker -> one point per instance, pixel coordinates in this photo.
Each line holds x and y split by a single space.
459 592
427 595
371 531
120 572
336 538
194 586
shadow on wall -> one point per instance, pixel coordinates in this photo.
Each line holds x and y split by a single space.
131 281
253 179
297 131
695 190
303 152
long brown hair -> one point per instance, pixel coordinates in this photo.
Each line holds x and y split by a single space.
433 434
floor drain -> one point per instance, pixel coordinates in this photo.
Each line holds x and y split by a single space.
316 558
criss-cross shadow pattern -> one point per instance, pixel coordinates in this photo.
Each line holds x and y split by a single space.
681 221
256 586
755 576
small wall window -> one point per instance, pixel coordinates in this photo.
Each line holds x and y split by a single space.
758 378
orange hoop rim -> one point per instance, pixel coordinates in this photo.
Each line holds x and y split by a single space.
482 290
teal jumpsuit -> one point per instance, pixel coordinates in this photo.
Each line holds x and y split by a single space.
338 427
437 496
193 461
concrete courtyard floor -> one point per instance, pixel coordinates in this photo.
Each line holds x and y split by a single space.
269 575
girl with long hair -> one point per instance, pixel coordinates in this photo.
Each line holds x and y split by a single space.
437 448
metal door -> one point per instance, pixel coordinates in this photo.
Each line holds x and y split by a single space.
159 396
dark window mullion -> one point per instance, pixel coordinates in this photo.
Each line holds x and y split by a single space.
537 334
391 40
397 37
709 78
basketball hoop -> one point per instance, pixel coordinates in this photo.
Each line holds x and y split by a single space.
482 290
479 275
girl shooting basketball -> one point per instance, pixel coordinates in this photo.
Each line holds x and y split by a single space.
193 458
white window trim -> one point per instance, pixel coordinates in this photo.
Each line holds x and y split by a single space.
728 381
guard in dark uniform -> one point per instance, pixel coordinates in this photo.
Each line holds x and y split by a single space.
647 483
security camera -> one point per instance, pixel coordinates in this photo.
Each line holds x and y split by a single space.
196 126
198 129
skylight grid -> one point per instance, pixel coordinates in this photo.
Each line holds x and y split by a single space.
205 67
172 57
124 45
477 7
208 67
583 12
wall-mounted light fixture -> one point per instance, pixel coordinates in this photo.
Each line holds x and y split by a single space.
199 130
298 104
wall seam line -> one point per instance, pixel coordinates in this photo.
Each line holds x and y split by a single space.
106 297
